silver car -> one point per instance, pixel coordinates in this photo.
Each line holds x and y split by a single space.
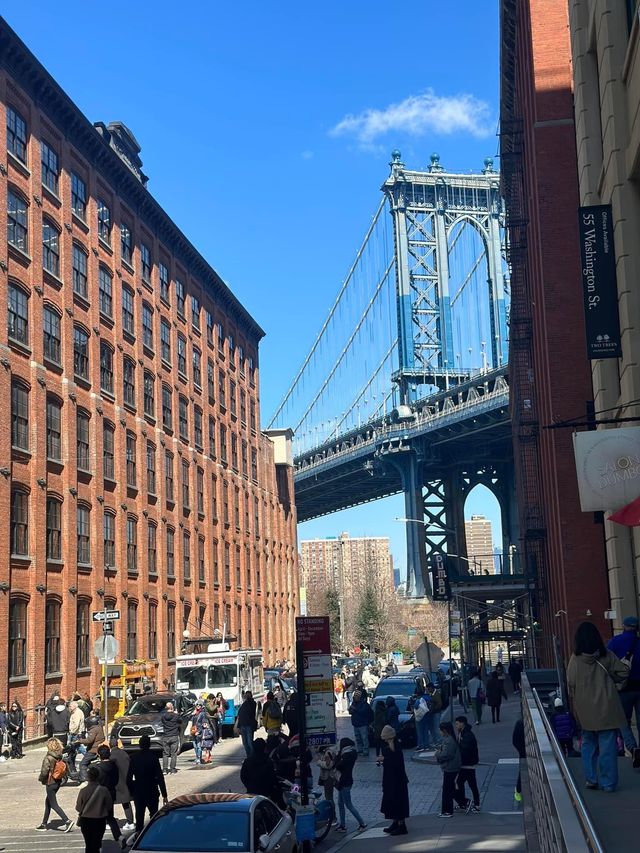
218 823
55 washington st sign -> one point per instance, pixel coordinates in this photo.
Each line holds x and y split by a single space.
599 286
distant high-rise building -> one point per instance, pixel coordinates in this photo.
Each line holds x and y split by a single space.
348 564
479 544
396 578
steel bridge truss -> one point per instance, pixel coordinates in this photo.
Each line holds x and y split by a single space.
431 211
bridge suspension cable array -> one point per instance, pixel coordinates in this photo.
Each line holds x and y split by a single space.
345 379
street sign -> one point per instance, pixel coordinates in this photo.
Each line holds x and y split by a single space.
314 634
318 666
107 627
106 648
440 580
429 656
105 615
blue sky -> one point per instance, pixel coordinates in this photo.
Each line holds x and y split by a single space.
266 131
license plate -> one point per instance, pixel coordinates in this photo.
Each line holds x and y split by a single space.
134 741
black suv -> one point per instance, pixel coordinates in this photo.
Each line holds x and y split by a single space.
143 718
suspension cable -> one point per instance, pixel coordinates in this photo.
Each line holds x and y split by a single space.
330 315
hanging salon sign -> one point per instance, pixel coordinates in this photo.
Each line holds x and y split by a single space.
608 467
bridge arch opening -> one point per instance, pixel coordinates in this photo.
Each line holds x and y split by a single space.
470 295
483 531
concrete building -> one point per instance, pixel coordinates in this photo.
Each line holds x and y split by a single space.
479 538
561 548
134 474
348 564
605 48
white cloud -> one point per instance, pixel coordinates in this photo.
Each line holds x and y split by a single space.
418 115
307 155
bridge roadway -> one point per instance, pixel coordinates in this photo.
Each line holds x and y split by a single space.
468 424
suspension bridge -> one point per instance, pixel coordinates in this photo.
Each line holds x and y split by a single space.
405 388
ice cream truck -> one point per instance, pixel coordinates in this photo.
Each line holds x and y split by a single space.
222 670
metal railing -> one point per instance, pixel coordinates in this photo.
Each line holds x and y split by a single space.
562 821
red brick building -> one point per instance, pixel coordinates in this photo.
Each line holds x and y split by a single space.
134 473
549 371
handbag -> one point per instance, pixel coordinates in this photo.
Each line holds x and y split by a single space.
420 711
89 801
619 685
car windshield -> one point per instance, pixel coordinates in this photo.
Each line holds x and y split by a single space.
148 706
222 675
396 687
197 829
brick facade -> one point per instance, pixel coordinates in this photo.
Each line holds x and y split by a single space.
231 511
549 371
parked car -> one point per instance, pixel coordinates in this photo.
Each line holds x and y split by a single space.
407 736
143 718
214 823
404 685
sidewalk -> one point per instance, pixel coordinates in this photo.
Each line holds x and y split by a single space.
499 826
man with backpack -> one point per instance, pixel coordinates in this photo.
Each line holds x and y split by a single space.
625 646
467 773
271 715
361 718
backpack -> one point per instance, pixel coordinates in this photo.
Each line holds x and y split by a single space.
59 771
436 701
274 710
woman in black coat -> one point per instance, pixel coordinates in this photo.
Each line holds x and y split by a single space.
15 724
494 696
395 785
393 714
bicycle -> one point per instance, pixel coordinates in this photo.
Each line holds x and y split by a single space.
323 810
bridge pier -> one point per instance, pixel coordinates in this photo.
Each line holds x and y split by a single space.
410 469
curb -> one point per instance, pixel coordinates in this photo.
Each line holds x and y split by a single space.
350 836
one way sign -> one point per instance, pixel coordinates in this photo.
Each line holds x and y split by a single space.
105 615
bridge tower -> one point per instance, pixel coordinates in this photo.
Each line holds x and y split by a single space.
432 212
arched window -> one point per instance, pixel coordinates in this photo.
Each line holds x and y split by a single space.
18 314
17 638
82 440
54 528
19 415
80 263
83 660
105 292
50 247
81 353
106 367
51 334
52 636
152 552
17 220
132 545
171 630
16 135
84 534
109 539
132 630
152 644
20 521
